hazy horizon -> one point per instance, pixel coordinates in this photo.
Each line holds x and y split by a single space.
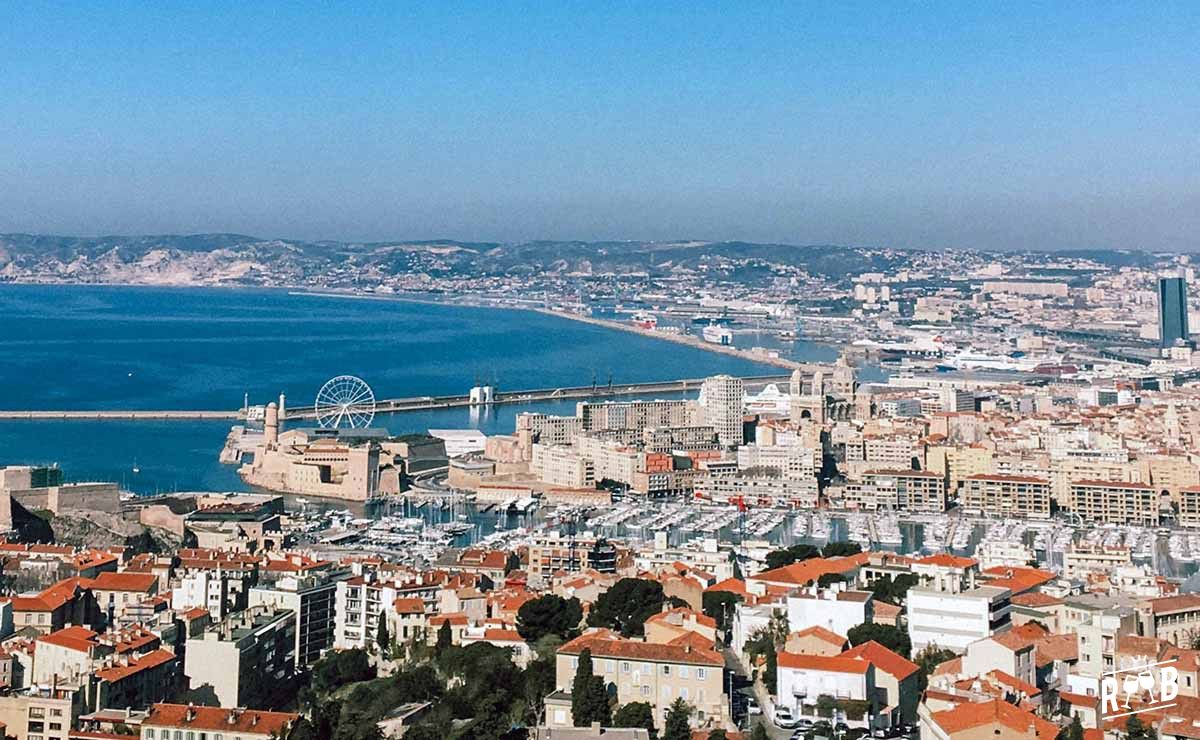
932 126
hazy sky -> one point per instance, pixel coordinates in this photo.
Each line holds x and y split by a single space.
890 123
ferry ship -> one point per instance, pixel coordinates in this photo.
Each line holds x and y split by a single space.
643 320
717 334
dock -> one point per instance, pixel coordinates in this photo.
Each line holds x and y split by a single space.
401 405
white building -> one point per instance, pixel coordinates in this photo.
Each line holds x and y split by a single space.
202 589
833 608
955 620
358 603
724 399
803 679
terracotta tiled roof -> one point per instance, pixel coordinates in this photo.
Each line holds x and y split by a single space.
606 645
946 560
140 582
409 606
219 720
884 659
821 633
144 663
1170 604
1035 599
834 664
731 585
810 570
972 715
79 639
1018 580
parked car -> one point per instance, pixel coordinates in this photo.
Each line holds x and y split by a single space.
784 718
804 723
841 727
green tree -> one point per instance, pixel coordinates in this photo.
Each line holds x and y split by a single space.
759 732
720 605
771 672
828 579
589 698
927 660
1073 731
636 714
538 684
627 605
1135 729
382 639
549 615
892 638
676 727
893 590
511 563
789 555
339 668
840 549
445 637
718 735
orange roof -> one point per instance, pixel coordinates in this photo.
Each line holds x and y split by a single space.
946 560
996 712
140 582
502 635
685 614
821 633
810 570
834 664
453 618
409 606
1035 599
1170 604
605 644
80 639
1018 580
219 720
145 663
732 585
884 659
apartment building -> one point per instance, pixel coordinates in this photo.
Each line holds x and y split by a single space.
596 416
560 465
358 602
1109 502
241 660
911 490
176 721
313 600
1005 496
955 620
651 673
847 684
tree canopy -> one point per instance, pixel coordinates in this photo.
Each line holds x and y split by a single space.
589 698
627 605
676 727
636 714
720 605
892 638
840 549
789 555
549 615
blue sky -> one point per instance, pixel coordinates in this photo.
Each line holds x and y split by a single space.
1049 125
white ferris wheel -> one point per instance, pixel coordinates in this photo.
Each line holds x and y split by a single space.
345 401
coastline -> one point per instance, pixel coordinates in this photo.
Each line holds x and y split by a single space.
472 300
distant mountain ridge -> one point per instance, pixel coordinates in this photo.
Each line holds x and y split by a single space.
248 260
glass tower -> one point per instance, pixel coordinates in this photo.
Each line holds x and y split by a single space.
1172 310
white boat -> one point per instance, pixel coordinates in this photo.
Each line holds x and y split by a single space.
716 334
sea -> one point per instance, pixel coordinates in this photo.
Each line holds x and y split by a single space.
109 347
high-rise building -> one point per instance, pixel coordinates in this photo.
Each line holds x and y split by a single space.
724 398
1172 310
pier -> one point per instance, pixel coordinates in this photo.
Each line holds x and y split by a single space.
400 405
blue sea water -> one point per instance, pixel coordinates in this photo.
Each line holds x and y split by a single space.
85 347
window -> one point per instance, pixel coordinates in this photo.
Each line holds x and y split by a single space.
645 691
666 670
701 673
683 671
625 666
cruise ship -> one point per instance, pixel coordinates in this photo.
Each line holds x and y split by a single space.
717 334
